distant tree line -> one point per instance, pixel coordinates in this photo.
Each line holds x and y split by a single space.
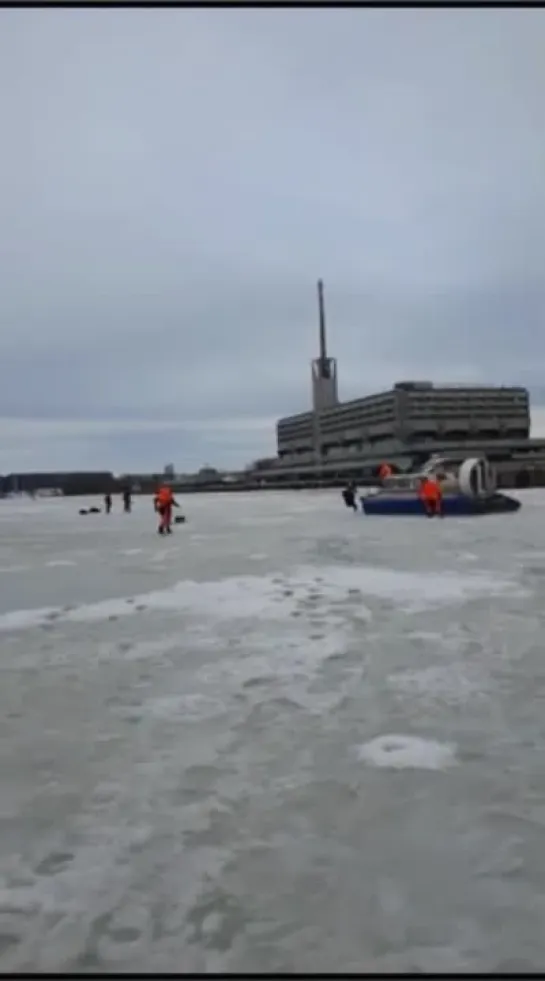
71 484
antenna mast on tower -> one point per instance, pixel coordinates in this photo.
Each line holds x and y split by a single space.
324 369
323 348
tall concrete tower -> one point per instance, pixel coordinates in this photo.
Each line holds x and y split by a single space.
324 369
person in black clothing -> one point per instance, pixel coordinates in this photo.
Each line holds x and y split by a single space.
127 500
107 503
349 496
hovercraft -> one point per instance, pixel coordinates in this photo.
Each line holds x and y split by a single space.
468 487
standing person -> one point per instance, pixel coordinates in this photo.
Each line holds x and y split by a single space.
439 513
107 503
127 500
431 495
164 502
349 495
384 471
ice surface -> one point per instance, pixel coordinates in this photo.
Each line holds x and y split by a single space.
242 597
267 743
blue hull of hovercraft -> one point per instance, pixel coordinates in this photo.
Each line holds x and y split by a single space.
454 505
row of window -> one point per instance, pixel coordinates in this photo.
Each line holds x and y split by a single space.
506 394
440 418
356 419
298 431
355 445
356 406
379 409
304 430
289 429
417 427
371 411
452 405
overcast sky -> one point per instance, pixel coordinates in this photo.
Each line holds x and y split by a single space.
173 183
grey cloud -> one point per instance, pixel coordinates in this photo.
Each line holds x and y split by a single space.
172 183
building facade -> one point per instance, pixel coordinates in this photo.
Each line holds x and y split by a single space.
411 414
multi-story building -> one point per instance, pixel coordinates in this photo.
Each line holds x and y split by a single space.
405 424
410 414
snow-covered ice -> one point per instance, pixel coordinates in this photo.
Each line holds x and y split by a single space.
268 743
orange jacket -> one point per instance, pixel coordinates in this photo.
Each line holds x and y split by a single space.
164 496
430 490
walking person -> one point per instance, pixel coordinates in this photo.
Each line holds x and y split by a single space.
164 502
127 500
431 495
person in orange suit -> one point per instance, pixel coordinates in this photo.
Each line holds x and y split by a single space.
384 471
164 502
431 495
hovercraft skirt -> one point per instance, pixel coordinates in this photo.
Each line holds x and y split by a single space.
454 505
